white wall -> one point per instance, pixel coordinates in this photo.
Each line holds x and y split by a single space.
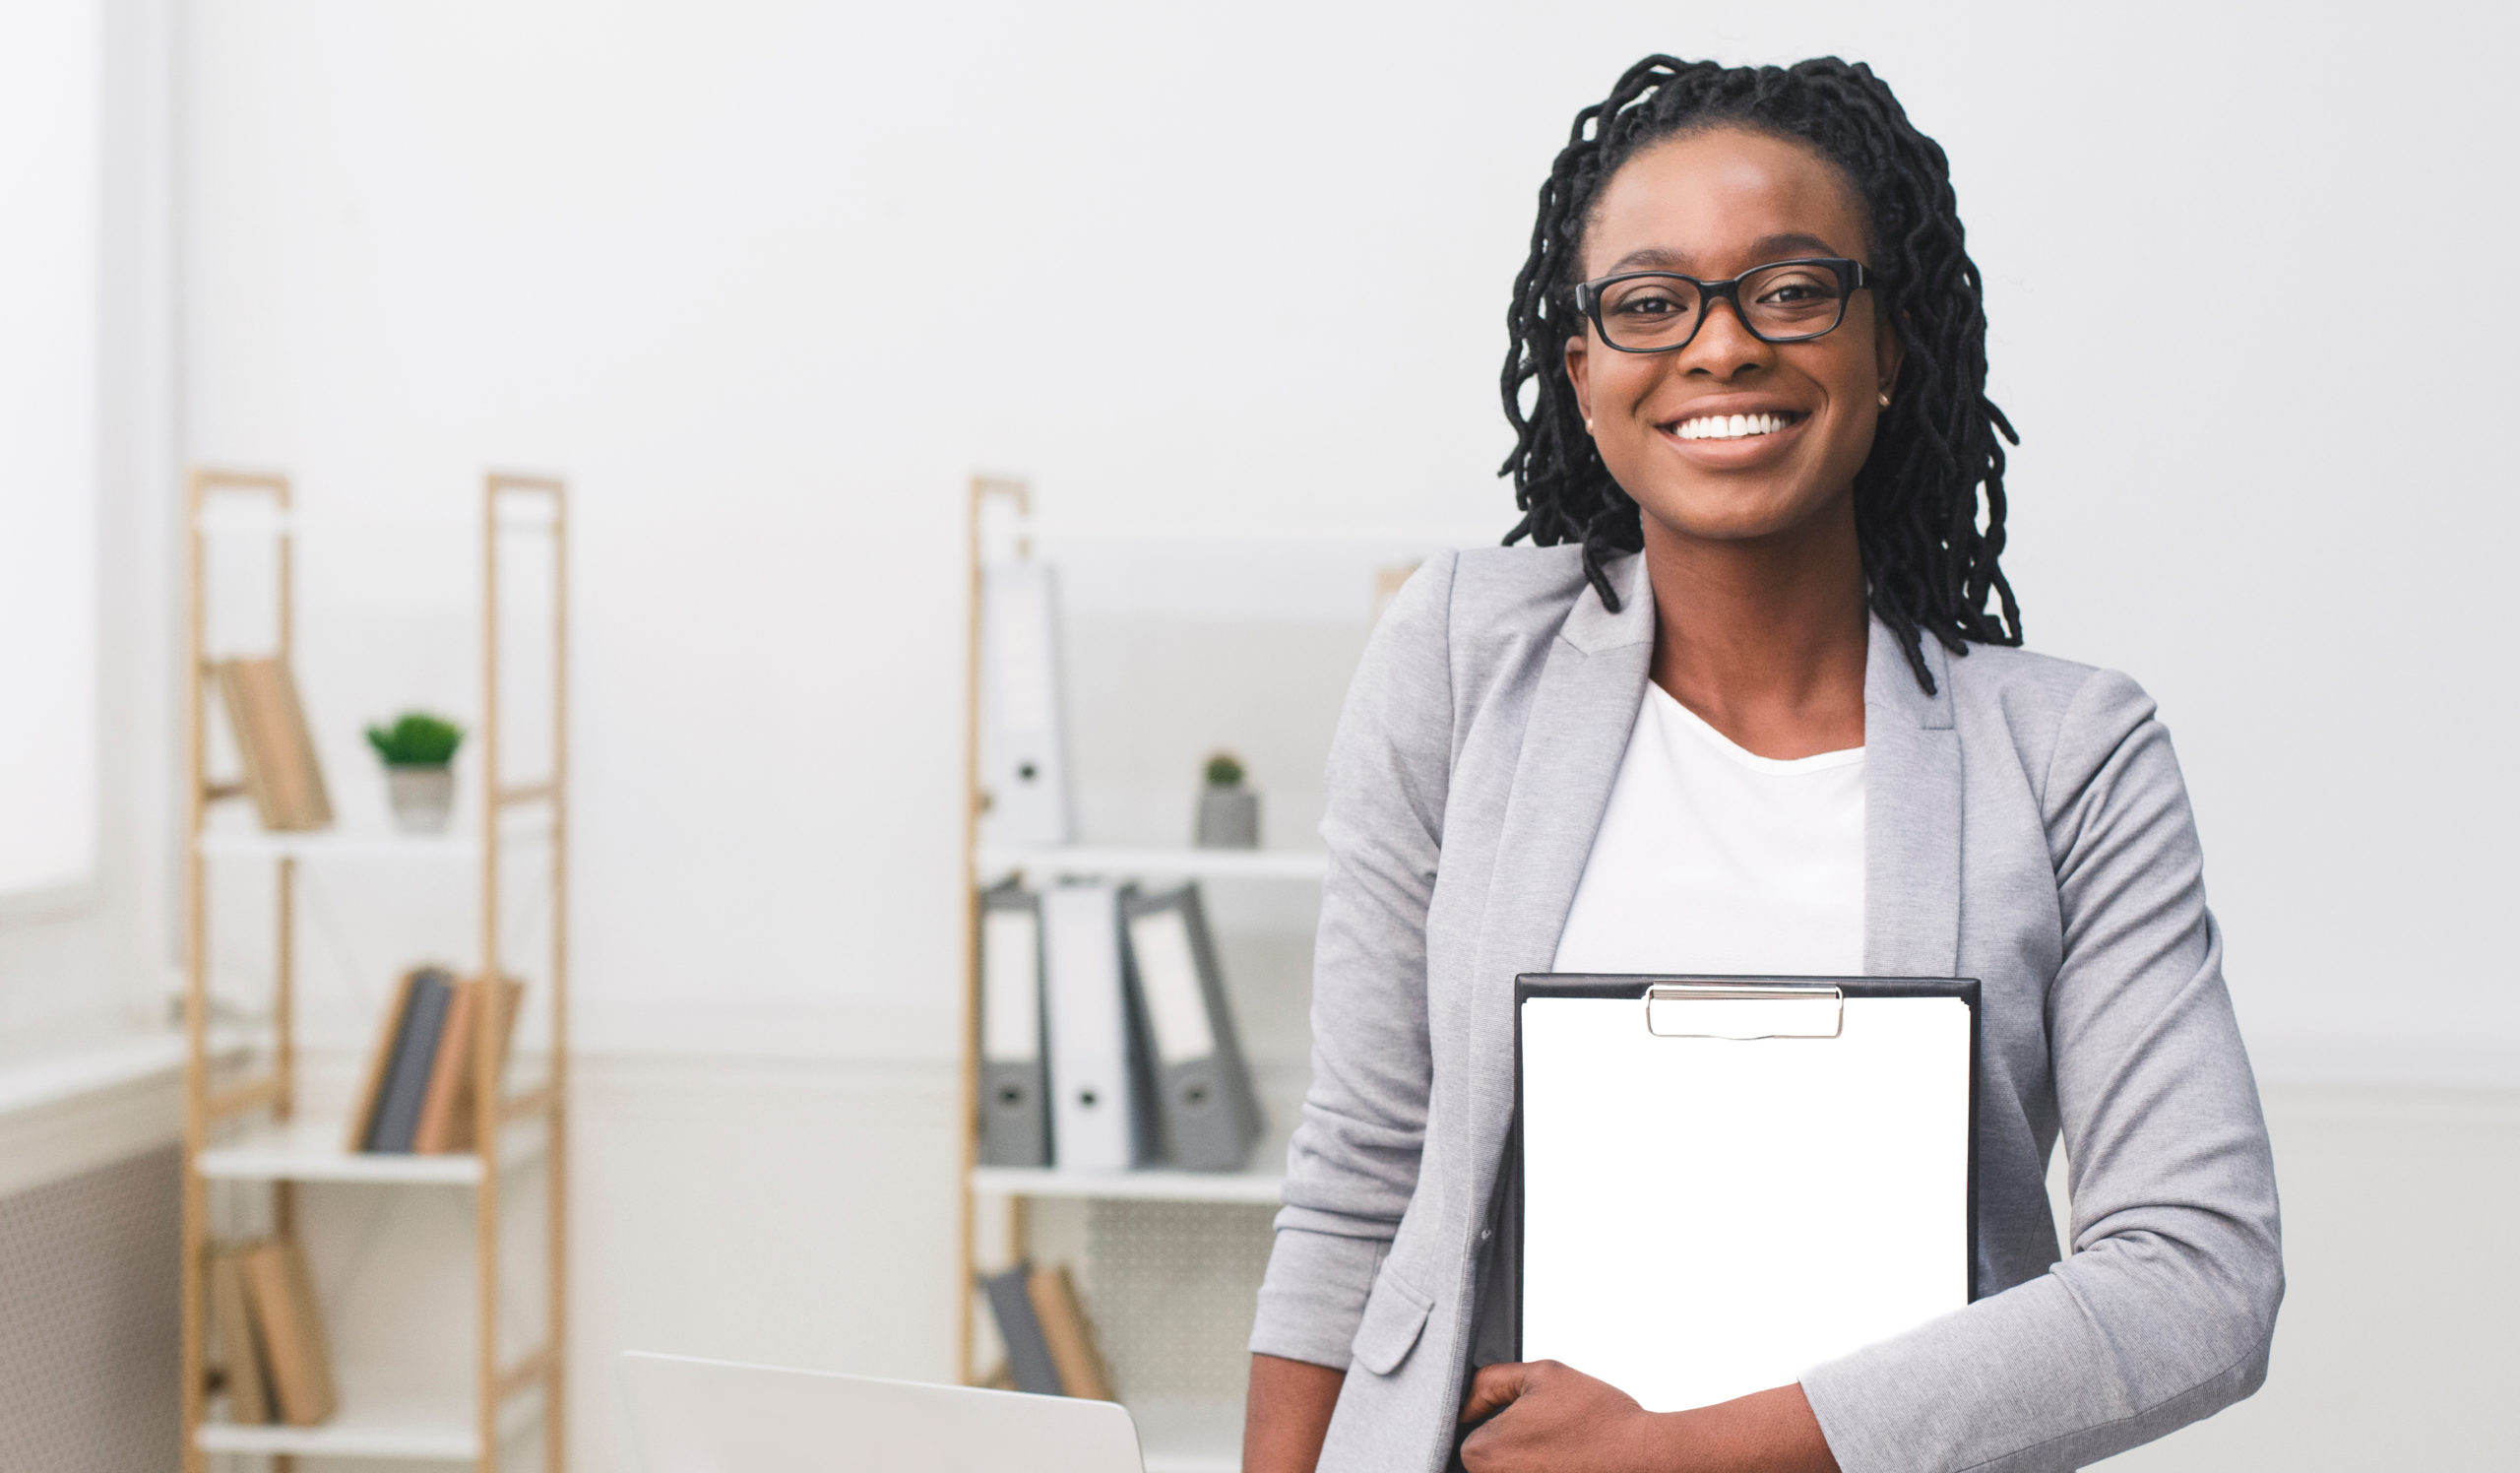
768 279
91 452
50 156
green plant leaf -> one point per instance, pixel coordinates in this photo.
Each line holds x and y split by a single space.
417 740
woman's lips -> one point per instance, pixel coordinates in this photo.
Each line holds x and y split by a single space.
1731 440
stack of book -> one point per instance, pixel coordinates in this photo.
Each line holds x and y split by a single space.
1049 1345
1105 1042
419 1096
271 1338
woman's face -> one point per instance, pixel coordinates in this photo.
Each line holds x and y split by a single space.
1715 204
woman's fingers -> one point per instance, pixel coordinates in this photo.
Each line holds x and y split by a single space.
1549 1418
1495 1387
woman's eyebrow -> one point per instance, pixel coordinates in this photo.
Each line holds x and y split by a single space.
1777 247
1652 258
1764 249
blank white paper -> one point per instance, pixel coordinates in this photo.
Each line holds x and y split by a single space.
1704 1218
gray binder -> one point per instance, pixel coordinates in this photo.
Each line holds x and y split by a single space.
1027 1350
1203 1085
1014 1103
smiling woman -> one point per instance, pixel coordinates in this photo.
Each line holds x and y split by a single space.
1744 709
1884 191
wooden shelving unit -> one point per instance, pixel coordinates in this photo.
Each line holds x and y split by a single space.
1178 1436
251 1133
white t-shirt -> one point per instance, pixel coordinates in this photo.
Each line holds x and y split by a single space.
1714 859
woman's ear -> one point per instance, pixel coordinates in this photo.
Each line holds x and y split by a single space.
1887 355
1577 356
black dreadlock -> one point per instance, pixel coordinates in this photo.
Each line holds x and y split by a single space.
1915 498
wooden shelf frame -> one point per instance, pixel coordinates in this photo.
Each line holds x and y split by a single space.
1003 524
524 1125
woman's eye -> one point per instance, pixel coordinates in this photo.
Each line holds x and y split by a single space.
1646 307
1796 292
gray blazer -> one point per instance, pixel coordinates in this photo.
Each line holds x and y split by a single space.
2026 826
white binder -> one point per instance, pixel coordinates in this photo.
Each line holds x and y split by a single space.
1022 742
1727 1180
1097 1108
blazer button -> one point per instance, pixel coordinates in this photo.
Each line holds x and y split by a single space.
1484 1235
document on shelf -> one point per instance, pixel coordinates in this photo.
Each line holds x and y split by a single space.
1098 1107
1023 737
1014 1104
1203 1084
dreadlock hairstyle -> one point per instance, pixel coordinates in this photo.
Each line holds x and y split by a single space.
1929 566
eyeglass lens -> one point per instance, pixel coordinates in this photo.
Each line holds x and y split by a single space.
1780 303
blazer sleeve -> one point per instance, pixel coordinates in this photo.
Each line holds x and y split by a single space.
1352 1165
2164 1309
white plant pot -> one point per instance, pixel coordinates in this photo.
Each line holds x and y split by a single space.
1229 819
424 798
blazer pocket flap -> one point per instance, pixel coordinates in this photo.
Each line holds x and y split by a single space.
1395 1315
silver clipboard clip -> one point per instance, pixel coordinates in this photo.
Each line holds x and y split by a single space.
1744 1010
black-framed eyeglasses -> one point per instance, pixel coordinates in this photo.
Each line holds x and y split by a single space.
1783 301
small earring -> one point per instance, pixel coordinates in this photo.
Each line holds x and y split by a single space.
1885 401
1588 426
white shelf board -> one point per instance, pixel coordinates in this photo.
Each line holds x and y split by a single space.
377 1421
1154 1186
311 1149
459 843
1194 863
1180 1435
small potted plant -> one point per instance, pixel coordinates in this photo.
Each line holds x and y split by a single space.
1228 812
419 781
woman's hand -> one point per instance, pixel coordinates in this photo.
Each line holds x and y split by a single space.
1555 1419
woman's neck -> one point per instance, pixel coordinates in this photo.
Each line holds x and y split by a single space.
1764 638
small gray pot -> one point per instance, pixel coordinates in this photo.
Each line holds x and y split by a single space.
1229 819
424 798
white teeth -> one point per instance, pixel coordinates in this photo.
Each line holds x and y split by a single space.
1729 427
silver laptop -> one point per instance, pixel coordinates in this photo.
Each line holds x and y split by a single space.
694 1416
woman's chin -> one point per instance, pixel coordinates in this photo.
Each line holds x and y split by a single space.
1731 512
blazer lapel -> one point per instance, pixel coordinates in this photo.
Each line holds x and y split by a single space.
1581 714
1912 799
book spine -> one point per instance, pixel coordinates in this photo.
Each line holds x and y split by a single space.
435 1133
292 1331
241 1348
380 1063
397 1113
462 1122
1067 1335
1028 1354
